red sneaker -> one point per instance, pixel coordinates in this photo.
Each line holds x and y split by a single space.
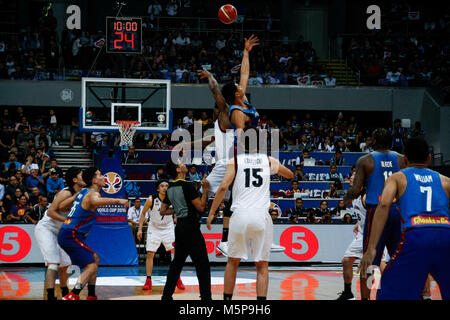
71 296
148 284
91 298
180 284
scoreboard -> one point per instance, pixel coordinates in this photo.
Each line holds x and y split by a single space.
123 35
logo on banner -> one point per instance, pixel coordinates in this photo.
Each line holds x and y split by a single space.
301 243
15 244
113 182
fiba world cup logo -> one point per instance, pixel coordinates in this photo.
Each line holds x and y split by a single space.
113 183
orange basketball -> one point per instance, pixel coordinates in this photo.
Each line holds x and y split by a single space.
227 14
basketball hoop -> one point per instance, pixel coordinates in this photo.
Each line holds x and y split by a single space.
127 130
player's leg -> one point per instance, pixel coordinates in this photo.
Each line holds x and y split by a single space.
441 260
347 271
93 279
50 278
230 277
426 291
181 253
63 273
152 245
407 271
262 279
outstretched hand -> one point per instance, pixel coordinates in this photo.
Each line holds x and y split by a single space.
251 42
203 74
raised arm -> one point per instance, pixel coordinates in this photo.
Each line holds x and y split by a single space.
277 168
220 194
245 64
214 87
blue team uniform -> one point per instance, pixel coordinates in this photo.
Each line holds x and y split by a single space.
386 164
425 246
75 230
250 112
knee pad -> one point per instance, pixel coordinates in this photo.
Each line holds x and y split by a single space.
53 266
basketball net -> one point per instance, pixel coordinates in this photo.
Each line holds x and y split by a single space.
127 130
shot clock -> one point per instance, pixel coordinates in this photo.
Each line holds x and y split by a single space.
123 35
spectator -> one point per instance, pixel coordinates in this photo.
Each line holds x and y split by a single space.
326 219
326 146
299 209
323 209
13 161
417 130
11 188
54 185
295 188
333 174
37 212
131 156
35 180
172 8
293 217
154 9
75 132
42 136
193 175
134 214
221 42
53 167
310 216
367 145
188 120
7 141
305 145
298 174
398 136
35 196
330 81
160 174
336 212
18 211
255 79
29 165
337 159
347 219
274 215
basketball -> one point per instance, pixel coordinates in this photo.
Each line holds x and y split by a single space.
227 14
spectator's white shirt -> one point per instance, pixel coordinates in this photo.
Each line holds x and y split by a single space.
30 167
182 41
97 136
2 192
154 10
221 44
76 46
180 72
285 60
330 82
171 9
254 81
273 80
188 121
134 214
363 147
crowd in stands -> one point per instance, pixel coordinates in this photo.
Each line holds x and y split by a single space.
394 56
30 176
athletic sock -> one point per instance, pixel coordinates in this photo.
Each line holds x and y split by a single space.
77 289
227 296
261 298
51 294
91 290
225 235
64 291
149 277
347 287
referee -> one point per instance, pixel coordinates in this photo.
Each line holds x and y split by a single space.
187 205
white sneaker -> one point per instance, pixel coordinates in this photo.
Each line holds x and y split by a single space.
277 248
223 249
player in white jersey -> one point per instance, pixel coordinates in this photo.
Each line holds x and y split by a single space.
250 223
46 234
161 229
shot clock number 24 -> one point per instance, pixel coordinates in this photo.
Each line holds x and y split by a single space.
124 35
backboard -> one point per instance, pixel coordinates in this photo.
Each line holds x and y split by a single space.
107 100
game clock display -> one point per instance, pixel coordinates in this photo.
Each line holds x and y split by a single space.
123 35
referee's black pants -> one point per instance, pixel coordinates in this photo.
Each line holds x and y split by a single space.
189 241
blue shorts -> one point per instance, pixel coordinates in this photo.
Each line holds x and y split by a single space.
73 243
422 251
391 236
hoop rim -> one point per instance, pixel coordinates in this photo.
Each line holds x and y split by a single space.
120 122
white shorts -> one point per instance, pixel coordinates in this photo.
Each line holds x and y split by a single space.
250 228
355 249
385 257
215 179
156 236
47 239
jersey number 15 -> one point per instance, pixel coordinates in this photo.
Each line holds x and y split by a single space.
258 180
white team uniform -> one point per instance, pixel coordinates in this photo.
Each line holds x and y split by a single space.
224 144
250 225
355 249
161 229
46 234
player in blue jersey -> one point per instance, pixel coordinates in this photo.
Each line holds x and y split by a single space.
77 226
423 198
372 170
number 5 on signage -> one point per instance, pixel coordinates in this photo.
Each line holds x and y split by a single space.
10 246
15 244
299 237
